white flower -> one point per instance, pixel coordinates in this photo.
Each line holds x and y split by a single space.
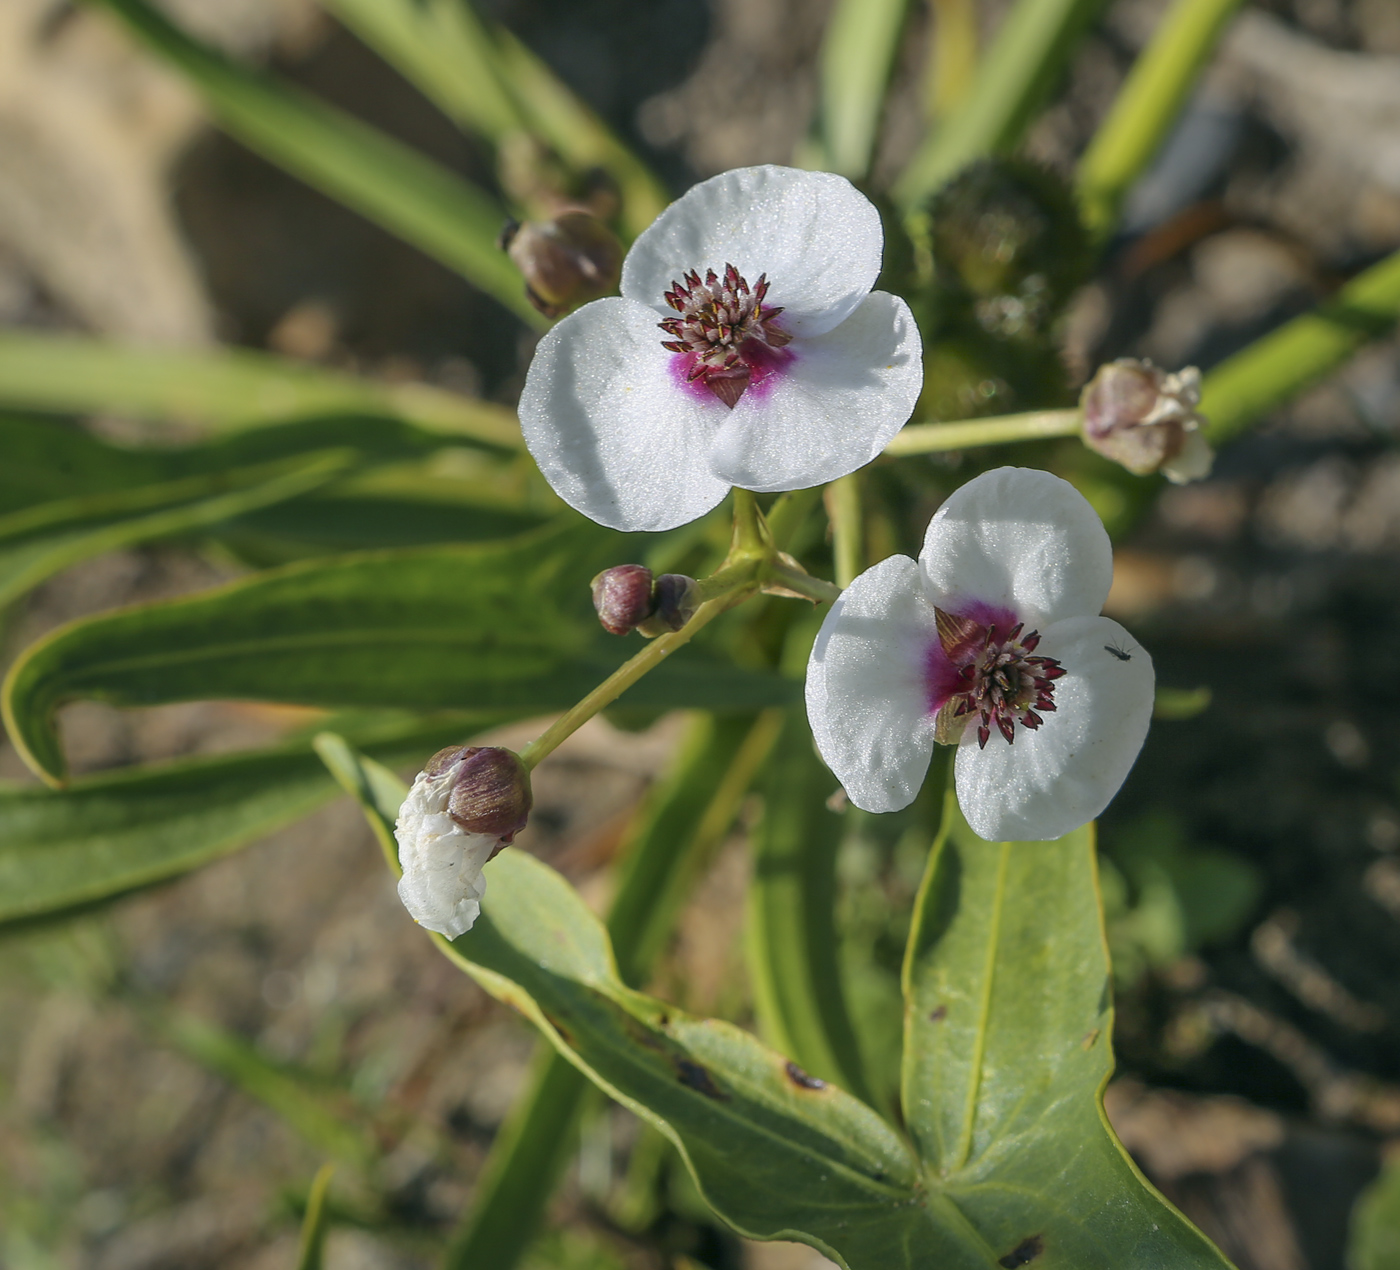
465 805
994 633
746 349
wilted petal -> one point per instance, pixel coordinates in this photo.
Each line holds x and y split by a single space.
1019 539
1056 778
866 697
1193 463
814 234
831 409
614 429
442 884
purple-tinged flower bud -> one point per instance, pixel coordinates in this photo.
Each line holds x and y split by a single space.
1146 419
623 597
566 261
466 804
675 604
490 789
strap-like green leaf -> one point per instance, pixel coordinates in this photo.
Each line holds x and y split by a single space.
857 55
227 388
1147 106
1034 43
1279 365
488 82
776 1153
495 626
685 818
311 1255
110 834
38 542
398 188
1008 1022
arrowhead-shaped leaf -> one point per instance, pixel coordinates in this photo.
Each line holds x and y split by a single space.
1008 1020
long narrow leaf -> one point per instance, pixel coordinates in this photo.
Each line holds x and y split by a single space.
1283 363
117 832
686 817
1147 105
776 1153
857 55
40 541
227 388
394 186
311 1254
500 625
444 48
1016 77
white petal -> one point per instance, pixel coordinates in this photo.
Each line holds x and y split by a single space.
442 884
1193 463
1065 773
1019 539
830 410
814 234
866 699
615 431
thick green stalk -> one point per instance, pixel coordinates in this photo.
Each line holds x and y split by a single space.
685 818
1283 363
847 539
1147 106
1016 77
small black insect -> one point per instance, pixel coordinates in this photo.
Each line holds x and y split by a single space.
1119 653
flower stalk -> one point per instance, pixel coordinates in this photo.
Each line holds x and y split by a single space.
936 438
754 564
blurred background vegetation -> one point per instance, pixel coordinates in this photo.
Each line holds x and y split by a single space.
175 1067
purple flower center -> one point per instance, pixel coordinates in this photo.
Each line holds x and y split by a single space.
989 670
725 332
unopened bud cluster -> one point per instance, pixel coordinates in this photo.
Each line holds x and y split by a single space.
1146 419
628 599
566 261
466 804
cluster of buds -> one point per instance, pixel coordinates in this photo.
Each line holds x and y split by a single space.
466 804
1146 419
629 599
566 261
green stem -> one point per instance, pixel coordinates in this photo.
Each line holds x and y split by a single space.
632 670
843 509
932 438
1286 361
1148 104
803 583
1035 41
751 534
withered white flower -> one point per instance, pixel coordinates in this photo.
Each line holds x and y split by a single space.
465 805
747 348
991 640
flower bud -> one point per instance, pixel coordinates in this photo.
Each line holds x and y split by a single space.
465 805
567 261
1146 419
490 789
623 597
675 604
